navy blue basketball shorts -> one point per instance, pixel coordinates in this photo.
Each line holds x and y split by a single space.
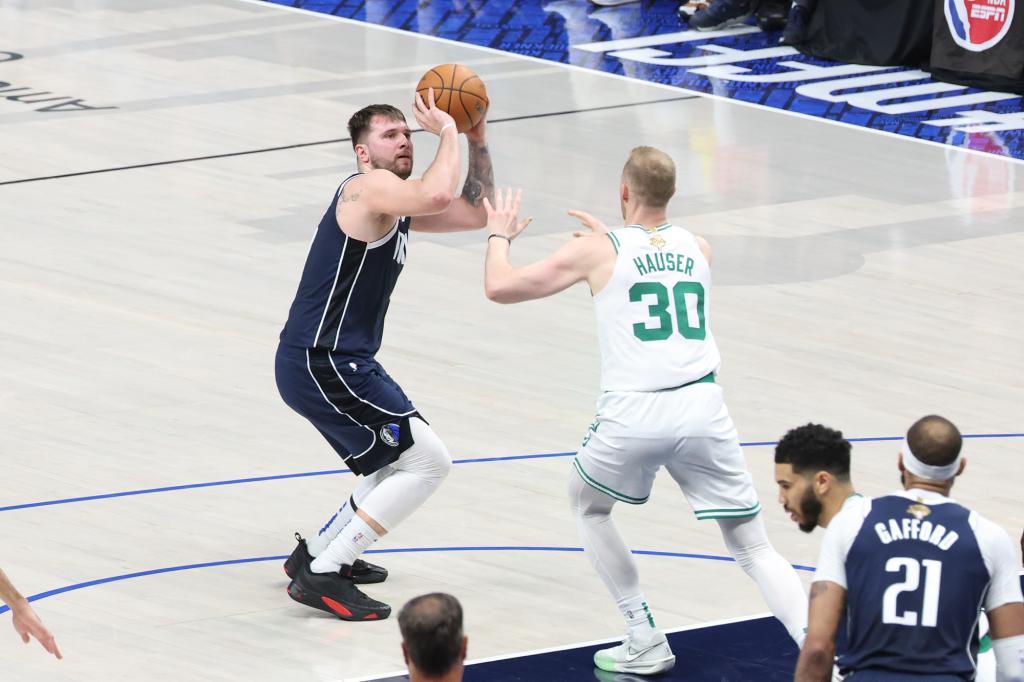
352 402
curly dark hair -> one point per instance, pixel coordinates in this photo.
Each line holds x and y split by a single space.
813 447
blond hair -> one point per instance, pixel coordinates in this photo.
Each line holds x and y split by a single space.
651 175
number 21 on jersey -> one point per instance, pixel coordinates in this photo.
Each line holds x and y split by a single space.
911 570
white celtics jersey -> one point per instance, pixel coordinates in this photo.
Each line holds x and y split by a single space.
654 315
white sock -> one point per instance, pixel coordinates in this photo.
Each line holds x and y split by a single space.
639 620
346 548
340 519
318 543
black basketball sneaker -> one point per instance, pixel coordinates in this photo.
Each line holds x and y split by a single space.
335 594
361 572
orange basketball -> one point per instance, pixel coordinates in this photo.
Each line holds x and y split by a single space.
458 91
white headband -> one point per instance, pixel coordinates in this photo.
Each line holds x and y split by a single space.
932 473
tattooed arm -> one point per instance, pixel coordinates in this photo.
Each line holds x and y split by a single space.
467 211
826 608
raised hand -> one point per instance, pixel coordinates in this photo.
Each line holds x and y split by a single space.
590 222
429 117
502 217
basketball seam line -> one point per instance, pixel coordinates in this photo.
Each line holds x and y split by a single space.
486 99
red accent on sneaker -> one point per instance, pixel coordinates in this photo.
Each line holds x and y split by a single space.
336 607
370 616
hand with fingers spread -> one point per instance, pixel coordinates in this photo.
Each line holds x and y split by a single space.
590 222
502 216
430 118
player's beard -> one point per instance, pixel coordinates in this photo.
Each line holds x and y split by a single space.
395 165
810 511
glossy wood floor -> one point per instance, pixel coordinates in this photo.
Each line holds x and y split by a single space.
862 281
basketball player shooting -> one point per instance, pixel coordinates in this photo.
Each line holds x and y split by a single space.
651 284
325 366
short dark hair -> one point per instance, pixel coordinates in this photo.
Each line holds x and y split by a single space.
816 448
431 627
935 440
359 124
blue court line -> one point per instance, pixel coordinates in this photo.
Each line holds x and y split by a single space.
256 479
476 460
397 550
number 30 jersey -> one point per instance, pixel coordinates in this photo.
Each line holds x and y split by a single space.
917 568
654 314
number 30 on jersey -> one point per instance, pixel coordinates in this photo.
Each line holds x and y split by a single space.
687 302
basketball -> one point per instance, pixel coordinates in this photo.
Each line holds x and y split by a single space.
458 91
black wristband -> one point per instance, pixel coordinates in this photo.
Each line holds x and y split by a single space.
499 236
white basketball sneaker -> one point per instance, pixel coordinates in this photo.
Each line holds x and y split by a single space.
641 658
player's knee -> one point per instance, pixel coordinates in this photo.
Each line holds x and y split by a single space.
748 556
585 501
574 491
746 540
428 457
442 463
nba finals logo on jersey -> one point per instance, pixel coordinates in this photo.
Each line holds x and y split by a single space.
919 510
657 242
977 25
389 434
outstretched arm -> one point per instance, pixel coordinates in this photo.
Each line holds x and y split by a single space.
504 283
467 211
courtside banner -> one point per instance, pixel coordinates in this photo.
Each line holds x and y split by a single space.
979 43
648 41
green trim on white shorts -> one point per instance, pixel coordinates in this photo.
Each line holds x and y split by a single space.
605 489
735 513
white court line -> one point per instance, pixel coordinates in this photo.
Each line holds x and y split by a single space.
671 88
533 652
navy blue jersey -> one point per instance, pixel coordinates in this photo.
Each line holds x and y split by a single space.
346 288
916 579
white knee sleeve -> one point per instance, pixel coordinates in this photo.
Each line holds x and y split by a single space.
415 476
746 540
428 458
775 577
585 500
601 540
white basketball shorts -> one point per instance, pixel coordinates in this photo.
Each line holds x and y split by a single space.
687 430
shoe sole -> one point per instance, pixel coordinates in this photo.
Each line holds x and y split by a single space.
645 668
331 606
